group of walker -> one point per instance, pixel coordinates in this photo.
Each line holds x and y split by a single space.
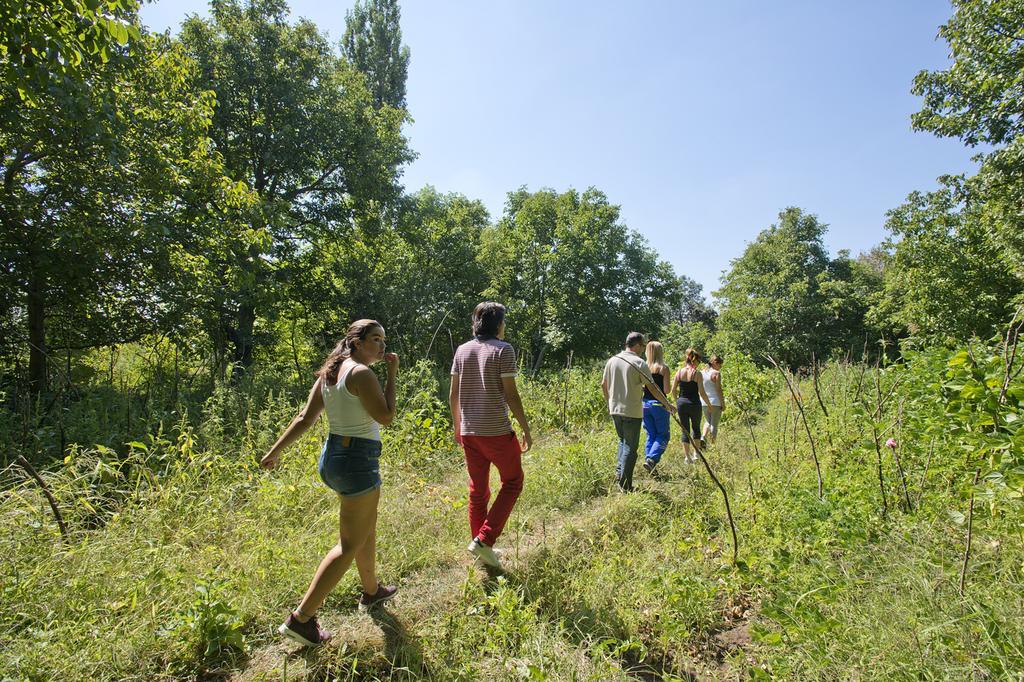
635 392
483 392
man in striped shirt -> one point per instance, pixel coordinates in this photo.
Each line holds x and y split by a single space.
483 391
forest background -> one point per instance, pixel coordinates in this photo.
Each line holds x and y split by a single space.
189 223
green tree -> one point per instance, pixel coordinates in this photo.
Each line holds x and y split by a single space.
412 275
295 122
979 99
373 44
48 45
93 171
572 275
785 296
946 276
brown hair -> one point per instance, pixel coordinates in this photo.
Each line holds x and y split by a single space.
357 331
717 359
692 356
487 319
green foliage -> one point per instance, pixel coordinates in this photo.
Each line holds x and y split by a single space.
373 44
946 276
46 45
572 276
296 123
785 296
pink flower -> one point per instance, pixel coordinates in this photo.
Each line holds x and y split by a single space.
891 443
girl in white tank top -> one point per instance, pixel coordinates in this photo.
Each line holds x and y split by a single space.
346 415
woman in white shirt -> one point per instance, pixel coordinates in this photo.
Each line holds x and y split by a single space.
716 398
356 405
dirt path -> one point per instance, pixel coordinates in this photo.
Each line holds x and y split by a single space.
384 644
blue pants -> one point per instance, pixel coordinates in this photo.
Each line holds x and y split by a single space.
657 425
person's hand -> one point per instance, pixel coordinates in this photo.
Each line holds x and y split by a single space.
526 442
458 436
723 407
270 460
391 359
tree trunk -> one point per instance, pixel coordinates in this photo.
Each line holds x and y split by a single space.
242 337
35 304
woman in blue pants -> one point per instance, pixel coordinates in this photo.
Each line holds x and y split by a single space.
656 417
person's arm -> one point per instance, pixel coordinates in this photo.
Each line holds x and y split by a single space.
456 408
717 378
604 387
305 419
699 378
378 403
515 404
674 391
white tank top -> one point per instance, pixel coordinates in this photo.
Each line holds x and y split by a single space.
346 415
711 388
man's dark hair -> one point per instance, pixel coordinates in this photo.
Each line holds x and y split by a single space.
635 338
487 318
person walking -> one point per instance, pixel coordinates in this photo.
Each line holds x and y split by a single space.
356 405
482 392
625 376
715 404
688 388
657 422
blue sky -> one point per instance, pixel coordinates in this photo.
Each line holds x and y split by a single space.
701 120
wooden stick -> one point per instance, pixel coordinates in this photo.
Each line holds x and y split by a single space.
970 531
807 428
27 466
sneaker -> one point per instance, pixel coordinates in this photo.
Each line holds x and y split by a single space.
649 465
308 634
383 593
484 553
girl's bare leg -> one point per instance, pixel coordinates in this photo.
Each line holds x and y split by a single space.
357 520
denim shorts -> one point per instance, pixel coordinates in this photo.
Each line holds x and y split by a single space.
352 469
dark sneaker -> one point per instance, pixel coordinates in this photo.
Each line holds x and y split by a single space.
383 593
649 465
309 633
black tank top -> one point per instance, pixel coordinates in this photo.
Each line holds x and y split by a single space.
659 381
688 394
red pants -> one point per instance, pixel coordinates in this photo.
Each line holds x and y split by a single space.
504 453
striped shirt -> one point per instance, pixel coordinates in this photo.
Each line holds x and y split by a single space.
481 364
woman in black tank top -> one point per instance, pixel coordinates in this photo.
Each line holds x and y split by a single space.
688 387
657 422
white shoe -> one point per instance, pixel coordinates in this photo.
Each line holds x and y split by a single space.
484 553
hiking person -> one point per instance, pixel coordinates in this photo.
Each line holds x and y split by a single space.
657 422
348 390
715 404
482 392
625 376
688 388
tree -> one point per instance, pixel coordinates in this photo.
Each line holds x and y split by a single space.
48 45
946 276
412 275
373 44
785 296
692 307
980 100
295 123
572 275
94 161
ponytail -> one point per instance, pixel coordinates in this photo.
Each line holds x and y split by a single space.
357 331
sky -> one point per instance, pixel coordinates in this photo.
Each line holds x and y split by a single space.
701 120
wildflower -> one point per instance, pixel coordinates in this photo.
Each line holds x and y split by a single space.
891 443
